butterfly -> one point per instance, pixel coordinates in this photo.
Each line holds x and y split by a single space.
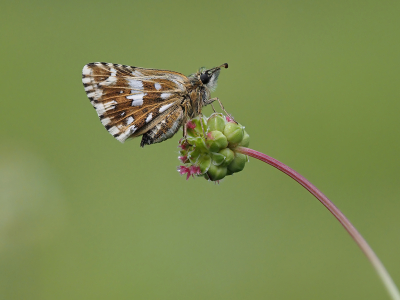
132 101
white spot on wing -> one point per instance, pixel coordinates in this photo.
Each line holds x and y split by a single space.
130 120
165 107
157 86
180 85
86 80
113 130
132 128
112 80
165 95
96 94
105 121
122 114
137 73
137 99
123 136
135 84
86 70
89 88
121 92
149 117
138 102
99 108
110 105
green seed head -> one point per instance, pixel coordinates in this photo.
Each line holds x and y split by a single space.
209 150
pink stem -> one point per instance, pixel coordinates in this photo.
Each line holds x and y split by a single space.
361 242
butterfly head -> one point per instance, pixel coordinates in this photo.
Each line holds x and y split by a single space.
209 77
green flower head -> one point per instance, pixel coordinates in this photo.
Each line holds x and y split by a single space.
209 148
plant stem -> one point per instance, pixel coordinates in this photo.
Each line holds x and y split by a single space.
362 243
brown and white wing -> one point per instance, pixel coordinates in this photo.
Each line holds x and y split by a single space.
167 124
134 101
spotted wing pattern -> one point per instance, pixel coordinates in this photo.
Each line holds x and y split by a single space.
133 101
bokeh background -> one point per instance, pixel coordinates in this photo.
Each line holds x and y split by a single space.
82 216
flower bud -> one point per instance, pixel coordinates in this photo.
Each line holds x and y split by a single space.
216 140
216 172
246 140
216 122
228 155
217 159
238 163
204 163
233 133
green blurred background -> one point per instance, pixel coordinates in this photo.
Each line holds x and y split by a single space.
82 216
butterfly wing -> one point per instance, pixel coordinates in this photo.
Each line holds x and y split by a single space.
133 101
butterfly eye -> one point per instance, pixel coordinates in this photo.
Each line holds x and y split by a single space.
205 78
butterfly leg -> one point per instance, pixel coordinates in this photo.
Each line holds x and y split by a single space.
185 120
202 126
212 106
184 130
209 101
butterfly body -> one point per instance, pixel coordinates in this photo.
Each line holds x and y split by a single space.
151 103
